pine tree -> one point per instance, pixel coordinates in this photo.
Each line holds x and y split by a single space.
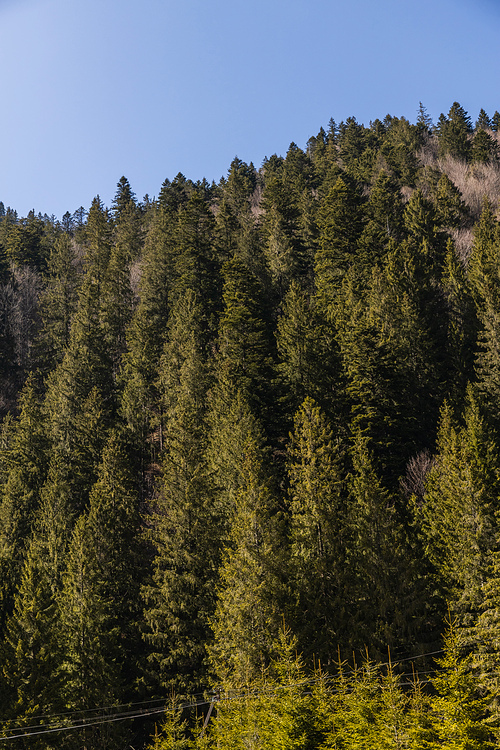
98 247
485 638
173 732
32 653
420 220
451 209
484 148
124 196
484 274
244 345
289 225
462 326
235 227
356 149
146 336
195 266
495 121
117 292
424 120
384 223
399 146
287 714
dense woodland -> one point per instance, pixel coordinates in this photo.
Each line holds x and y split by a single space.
250 443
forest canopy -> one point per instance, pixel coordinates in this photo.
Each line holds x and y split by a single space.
250 444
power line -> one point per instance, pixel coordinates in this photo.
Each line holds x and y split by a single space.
27 731
97 721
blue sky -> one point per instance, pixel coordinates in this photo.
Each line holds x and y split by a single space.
97 89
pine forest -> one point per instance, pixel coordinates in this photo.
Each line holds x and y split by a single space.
250 453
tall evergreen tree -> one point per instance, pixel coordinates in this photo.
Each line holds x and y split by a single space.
246 620
319 535
306 364
99 601
32 654
184 528
457 517
453 132
59 300
387 602
244 356
340 224
24 469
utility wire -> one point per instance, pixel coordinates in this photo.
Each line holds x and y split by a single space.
96 722
129 715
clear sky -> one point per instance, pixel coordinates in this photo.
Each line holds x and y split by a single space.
95 90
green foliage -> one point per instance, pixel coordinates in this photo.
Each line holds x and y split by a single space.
24 459
458 515
173 732
462 325
244 357
459 713
381 562
400 146
59 300
484 148
384 213
484 271
184 529
356 149
99 597
319 535
340 223
155 520
453 132
25 241
485 636
306 353
247 613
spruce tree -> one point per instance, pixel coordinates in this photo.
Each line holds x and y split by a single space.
340 224
319 535
385 601
145 338
458 711
99 600
32 654
384 213
457 518
483 121
484 274
246 619
306 365
184 529
453 132
484 148
58 301
24 469
244 344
